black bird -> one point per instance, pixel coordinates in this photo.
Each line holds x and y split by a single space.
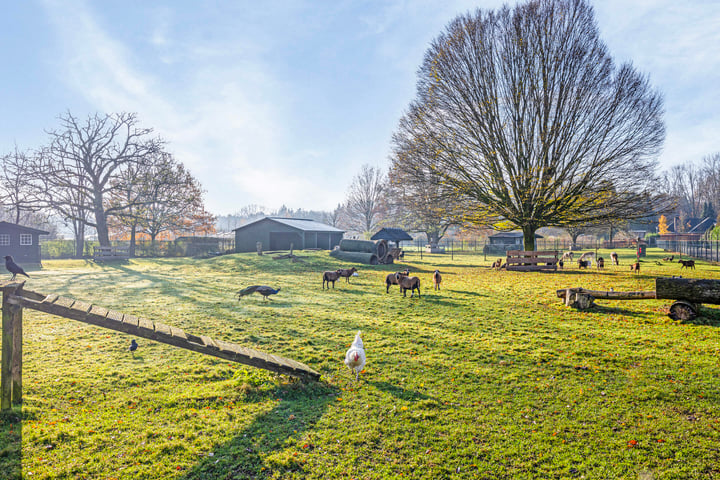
14 268
263 290
133 346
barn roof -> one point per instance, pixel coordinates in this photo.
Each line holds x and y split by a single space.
392 235
304 224
7 225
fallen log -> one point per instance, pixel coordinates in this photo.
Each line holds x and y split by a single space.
694 290
612 295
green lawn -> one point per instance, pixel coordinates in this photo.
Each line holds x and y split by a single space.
492 377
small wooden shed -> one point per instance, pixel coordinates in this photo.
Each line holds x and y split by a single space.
277 233
396 235
501 242
21 242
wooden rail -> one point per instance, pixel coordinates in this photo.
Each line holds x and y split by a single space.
15 298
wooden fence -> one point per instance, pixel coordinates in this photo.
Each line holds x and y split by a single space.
15 299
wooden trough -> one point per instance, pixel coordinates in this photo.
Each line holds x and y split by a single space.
688 293
15 299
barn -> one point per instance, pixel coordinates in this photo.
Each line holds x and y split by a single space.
20 242
277 233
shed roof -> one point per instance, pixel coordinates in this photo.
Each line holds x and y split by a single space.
4 225
304 224
391 234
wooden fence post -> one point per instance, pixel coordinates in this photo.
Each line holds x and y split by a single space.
11 367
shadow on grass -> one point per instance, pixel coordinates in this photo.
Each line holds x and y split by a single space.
244 456
708 317
399 392
620 311
11 444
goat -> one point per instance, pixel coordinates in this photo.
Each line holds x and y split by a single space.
391 279
436 280
408 283
635 267
586 255
347 273
496 264
567 256
687 264
614 258
583 263
330 276
600 262
561 264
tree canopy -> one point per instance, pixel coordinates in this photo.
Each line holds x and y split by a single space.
523 114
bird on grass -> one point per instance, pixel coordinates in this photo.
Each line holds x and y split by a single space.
355 356
14 268
263 290
133 346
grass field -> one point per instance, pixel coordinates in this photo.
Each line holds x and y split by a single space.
491 377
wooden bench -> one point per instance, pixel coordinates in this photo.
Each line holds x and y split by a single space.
111 254
524 261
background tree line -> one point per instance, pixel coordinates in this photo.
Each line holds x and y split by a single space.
106 174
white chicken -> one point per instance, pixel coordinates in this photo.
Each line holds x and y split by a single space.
355 356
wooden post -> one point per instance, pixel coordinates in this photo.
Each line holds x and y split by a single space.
11 368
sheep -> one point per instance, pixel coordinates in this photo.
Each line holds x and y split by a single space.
436 280
614 258
600 262
347 273
330 276
635 267
408 283
687 264
583 263
391 279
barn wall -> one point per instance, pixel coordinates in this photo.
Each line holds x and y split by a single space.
22 254
276 236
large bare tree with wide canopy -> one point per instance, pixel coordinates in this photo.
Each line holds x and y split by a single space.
524 114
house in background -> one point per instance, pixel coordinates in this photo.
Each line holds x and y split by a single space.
20 242
277 233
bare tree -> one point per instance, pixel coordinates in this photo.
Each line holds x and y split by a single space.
84 159
528 118
334 218
421 201
17 191
364 206
159 195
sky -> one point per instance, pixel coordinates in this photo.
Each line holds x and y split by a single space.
280 102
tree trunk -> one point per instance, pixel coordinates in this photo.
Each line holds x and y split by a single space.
529 237
131 249
101 222
79 228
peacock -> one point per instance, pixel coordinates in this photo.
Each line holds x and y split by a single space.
263 290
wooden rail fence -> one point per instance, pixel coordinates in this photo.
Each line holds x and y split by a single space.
15 299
